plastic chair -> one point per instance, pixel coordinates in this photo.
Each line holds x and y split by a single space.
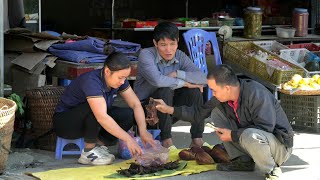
61 142
196 40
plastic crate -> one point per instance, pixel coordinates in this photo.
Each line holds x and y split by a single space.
309 46
303 112
236 53
274 75
296 55
271 46
299 57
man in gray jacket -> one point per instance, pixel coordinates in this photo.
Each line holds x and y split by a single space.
251 123
164 72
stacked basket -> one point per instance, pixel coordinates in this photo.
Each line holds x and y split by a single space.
7 115
235 55
42 103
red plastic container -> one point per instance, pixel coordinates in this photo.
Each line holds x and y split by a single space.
146 24
139 24
129 24
300 19
309 46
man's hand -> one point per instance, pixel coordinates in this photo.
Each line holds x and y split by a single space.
163 107
190 85
224 134
173 74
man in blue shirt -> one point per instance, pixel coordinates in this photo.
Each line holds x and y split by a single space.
86 110
164 72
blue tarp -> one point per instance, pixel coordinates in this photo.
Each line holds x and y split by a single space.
91 50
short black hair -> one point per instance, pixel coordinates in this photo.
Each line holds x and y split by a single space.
166 30
117 61
223 75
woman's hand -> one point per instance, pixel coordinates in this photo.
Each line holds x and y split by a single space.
133 147
147 138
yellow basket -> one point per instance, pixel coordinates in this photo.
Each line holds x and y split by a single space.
7 116
274 75
236 53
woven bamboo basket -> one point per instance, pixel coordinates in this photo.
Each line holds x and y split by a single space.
42 103
7 116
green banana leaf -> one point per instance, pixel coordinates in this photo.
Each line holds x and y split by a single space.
181 166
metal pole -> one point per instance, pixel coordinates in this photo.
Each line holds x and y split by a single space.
1 51
187 8
112 19
39 16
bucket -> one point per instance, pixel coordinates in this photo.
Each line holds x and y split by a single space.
7 115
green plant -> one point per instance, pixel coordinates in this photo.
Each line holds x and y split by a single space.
16 98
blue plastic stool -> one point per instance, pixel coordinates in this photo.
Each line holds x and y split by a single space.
61 142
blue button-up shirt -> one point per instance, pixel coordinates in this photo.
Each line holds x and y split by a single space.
153 71
88 85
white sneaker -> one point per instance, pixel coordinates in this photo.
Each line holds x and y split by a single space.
94 157
105 151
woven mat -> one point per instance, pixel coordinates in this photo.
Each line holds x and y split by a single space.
99 172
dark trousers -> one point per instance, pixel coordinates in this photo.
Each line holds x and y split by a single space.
80 122
178 97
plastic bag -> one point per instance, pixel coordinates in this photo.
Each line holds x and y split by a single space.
123 150
152 156
311 57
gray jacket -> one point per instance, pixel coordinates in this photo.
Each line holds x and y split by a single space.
257 109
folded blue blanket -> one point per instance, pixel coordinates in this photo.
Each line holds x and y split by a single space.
91 50
78 56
